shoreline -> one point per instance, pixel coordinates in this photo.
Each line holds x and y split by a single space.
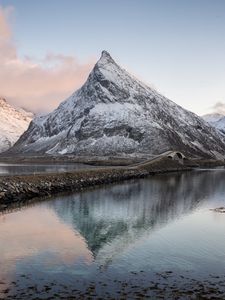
17 190
138 285
20 189
141 283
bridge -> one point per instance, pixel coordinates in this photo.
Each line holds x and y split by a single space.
173 155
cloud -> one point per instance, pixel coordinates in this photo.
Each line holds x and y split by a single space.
219 107
36 86
5 31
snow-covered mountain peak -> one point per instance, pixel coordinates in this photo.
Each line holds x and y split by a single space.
106 62
114 113
13 123
216 120
212 118
105 57
108 76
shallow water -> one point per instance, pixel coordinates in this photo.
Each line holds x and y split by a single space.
119 239
18 169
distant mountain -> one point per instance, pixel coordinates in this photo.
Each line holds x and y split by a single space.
212 118
13 123
216 120
113 113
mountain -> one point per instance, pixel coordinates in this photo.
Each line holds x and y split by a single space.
13 122
220 124
212 118
113 113
216 120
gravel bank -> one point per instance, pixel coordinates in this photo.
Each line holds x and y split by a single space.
16 190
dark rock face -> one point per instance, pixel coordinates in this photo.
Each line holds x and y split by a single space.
112 114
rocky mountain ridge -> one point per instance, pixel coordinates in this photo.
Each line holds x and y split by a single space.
216 120
13 123
113 113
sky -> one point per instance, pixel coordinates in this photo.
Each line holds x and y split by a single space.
47 48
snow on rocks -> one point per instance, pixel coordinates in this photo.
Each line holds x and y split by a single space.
113 113
13 122
217 121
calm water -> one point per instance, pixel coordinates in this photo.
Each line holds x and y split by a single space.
117 238
17 169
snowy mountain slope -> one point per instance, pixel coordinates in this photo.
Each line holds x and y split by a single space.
212 118
216 120
220 124
13 123
114 113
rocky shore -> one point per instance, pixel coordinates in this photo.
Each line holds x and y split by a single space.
137 285
18 190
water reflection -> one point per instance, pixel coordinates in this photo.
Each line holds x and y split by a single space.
34 239
159 223
111 219
18 169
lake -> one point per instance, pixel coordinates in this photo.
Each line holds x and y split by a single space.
19 169
156 236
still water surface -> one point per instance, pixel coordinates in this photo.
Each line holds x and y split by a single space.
134 231
18 169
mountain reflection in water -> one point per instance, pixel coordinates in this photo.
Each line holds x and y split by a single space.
153 225
111 219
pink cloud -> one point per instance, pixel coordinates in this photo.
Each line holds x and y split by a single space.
5 31
38 87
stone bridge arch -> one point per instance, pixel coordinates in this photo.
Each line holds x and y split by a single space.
176 155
